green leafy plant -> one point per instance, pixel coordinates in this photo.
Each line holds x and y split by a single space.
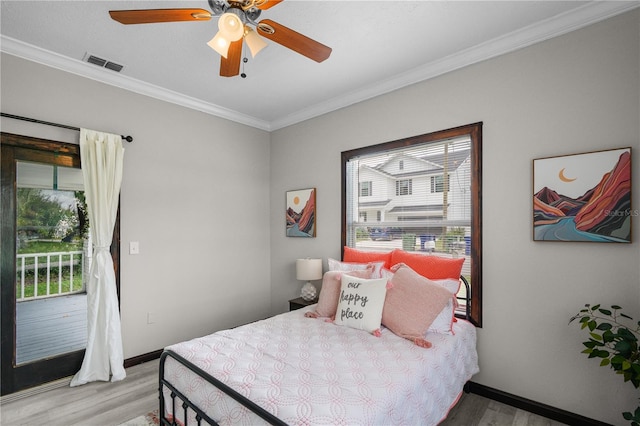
613 338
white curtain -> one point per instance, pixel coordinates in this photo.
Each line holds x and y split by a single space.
102 156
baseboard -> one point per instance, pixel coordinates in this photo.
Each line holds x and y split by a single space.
547 411
150 356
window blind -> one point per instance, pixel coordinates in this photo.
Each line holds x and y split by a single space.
418 199
421 191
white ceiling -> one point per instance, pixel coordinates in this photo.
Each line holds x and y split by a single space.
378 46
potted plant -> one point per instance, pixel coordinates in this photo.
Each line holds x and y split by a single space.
613 338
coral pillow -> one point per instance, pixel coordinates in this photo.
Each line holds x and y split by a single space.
412 304
360 256
330 293
376 267
430 266
361 302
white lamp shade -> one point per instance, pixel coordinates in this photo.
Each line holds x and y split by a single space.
308 269
220 44
254 41
231 26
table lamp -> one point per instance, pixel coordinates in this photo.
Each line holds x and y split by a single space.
308 269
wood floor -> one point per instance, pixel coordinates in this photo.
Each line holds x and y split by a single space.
475 410
93 404
50 326
110 404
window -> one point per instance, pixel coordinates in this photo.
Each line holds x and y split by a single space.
437 183
365 189
435 206
363 216
403 187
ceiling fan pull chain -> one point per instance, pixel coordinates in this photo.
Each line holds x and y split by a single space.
244 61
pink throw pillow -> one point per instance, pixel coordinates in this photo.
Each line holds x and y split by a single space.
412 304
330 292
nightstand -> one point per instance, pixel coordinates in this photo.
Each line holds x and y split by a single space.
299 302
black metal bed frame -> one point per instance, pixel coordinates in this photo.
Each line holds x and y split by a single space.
178 398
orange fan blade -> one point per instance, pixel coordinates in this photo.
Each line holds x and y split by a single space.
267 4
230 65
159 15
293 40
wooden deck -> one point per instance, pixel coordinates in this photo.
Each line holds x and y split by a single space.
51 326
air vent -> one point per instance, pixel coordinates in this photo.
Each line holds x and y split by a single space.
113 66
96 61
92 59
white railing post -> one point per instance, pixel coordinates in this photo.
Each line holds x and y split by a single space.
48 274
22 278
35 277
59 272
70 271
82 265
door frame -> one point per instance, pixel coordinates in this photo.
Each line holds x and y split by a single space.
25 148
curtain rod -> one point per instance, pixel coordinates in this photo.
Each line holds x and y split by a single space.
48 123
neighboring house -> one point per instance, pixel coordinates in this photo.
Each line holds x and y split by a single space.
408 191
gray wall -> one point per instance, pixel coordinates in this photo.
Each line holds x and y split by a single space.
577 93
195 195
211 228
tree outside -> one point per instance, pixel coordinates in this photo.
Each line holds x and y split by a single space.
49 221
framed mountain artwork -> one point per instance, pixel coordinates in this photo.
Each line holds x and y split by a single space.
301 213
583 197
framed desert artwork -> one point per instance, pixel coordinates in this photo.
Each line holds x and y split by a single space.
583 197
301 213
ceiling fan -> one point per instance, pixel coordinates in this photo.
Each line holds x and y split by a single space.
235 19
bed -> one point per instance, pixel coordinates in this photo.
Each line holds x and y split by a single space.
300 370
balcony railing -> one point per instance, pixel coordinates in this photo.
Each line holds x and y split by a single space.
41 275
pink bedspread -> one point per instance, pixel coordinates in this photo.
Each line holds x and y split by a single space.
309 372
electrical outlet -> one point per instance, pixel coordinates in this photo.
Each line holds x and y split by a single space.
134 247
151 318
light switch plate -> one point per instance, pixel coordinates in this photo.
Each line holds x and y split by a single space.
134 247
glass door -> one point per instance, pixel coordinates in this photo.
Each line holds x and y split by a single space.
53 257
46 255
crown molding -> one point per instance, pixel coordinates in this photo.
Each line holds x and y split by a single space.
580 17
583 16
54 60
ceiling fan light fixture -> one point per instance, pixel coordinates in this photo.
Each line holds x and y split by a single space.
220 44
231 25
237 23
254 41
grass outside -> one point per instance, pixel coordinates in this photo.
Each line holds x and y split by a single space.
47 246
